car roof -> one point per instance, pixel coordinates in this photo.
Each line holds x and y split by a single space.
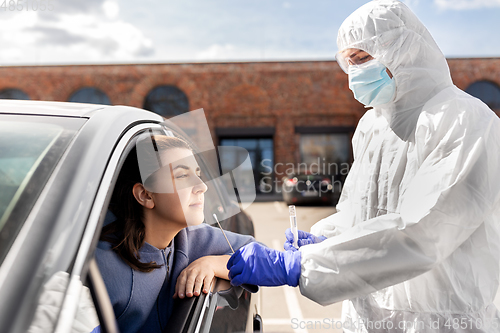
65 109
74 110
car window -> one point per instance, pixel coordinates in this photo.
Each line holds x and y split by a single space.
117 273
30 147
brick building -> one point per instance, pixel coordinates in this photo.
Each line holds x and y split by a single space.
284 113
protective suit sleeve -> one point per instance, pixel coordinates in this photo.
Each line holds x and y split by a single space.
452 192
337 223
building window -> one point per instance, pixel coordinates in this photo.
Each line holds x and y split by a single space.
486 91
326 151
167 101
89 95
261 152
326 154
13 94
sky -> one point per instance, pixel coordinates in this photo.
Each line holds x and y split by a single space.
50 32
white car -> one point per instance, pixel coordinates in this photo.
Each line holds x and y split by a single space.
58 165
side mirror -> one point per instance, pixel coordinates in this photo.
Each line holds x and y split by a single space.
228 294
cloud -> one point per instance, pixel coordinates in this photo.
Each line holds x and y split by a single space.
77 31
54 36
217 52
78 7
466 4
91 7
412 3
111 9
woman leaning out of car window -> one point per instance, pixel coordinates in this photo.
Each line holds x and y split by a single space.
154 247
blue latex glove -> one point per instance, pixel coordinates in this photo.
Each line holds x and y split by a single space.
256 264
305 238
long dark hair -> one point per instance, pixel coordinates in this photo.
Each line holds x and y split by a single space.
127 232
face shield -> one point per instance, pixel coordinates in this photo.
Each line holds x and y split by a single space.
183 165
342 61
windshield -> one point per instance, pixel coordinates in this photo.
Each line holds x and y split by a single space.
30 147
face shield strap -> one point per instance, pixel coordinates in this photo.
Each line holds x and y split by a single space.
155 147
341 62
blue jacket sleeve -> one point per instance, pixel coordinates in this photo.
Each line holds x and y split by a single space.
206 240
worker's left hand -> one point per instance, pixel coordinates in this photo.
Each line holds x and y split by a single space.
305 238
262 266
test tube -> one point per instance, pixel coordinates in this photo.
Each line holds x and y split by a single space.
293 225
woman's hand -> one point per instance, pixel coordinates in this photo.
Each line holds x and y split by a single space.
200 274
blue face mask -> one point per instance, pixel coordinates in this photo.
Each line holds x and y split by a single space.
371 84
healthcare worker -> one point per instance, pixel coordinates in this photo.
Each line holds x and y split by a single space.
414 246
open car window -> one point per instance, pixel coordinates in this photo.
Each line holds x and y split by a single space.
216 202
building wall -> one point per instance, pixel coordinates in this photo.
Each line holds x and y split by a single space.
467 71
281 95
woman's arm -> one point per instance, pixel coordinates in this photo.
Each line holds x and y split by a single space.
200 274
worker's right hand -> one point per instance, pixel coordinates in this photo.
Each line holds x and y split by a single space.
305 238
259 265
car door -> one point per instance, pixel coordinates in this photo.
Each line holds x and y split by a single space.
85 267
49 281
224 309
49 228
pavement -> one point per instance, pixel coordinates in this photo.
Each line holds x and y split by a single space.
284 309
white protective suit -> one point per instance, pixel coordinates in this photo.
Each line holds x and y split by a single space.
415 243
